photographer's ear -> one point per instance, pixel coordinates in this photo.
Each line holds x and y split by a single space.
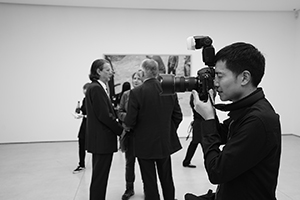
246 77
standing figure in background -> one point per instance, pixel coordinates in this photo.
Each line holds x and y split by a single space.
102 127
125 87
81 113
154 120
172 64
195 127
187 66
137 79
196 130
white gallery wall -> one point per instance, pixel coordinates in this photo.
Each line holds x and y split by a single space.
46 53
294 96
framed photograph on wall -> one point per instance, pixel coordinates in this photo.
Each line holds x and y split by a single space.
125 65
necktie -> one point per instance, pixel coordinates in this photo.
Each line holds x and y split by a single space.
110 104
106 90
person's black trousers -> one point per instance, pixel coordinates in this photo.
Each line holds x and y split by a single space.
190 153
164 169
130 162
81 147
101 167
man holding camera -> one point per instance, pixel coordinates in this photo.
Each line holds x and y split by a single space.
247 166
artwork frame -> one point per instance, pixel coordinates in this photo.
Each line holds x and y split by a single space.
124 65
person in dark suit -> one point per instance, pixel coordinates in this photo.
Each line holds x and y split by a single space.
81 113
102 127
195 126
196 129
154 120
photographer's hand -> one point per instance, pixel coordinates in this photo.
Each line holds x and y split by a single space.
205 109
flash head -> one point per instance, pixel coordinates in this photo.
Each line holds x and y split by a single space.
204 81
197 42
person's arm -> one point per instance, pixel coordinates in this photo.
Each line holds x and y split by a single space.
104 111
83 108
177 114
132 111
122 109
245 149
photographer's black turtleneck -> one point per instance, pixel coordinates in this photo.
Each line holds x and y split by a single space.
247 166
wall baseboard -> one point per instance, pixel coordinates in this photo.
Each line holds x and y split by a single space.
291 134
37 142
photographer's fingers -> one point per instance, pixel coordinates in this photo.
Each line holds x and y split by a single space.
196 96
205 109
197 102
212 96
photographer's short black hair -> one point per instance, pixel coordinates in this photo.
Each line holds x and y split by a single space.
97 64
242 56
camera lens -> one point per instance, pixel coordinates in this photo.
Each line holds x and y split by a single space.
171 84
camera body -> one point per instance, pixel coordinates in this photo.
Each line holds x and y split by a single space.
205 76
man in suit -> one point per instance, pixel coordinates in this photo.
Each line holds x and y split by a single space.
102 127
154 120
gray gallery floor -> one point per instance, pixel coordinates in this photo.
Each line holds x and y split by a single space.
36 171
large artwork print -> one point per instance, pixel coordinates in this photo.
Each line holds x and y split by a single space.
125 65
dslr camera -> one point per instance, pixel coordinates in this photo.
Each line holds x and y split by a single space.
205 76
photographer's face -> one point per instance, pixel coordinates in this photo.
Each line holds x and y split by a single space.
228 85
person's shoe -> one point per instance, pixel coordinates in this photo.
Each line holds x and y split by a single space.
127 194
188 165
78 170
189 196
209 195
